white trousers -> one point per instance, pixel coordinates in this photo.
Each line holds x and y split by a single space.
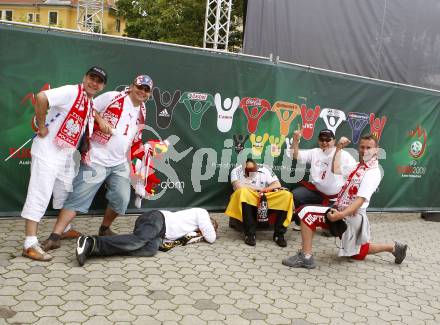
47 178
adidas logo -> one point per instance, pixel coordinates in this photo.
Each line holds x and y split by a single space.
164 113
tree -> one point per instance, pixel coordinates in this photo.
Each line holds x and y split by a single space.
174 21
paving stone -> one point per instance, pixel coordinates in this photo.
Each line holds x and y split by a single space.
117 286
76 278
7 301
204 304
277 319
209 315
119 305
23 318
300 322
75 296
74 306
143 320
47 321
167 315
140 310
163 305
192 320
49 311
229 310
187 310
98 320
10 291
97 311
160 295
252 314
36 270
6 312
73 316
26 306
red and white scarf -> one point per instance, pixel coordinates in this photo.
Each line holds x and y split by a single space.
71 129
349 191
112 115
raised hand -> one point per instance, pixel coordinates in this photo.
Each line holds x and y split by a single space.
297 134
343 142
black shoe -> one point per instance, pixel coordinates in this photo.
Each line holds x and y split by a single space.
296 219
105 231
84 248
279 239
250 240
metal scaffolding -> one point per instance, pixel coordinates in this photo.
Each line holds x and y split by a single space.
217 22
90 15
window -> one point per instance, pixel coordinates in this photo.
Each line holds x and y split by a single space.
118 25
53 18
6 15
30 17
37 18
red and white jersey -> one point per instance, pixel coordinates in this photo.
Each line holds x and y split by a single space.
321 174
114 152
60 101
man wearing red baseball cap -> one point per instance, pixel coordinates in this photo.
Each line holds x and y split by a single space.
106 161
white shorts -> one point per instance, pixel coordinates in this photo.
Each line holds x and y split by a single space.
47 178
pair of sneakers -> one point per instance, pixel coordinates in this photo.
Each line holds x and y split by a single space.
300 260
38 252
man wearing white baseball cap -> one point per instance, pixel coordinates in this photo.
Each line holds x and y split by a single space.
106 161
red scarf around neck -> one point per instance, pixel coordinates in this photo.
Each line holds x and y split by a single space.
349 191
72 127
112 115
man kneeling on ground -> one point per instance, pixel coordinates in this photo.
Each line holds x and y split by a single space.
150 229
352 202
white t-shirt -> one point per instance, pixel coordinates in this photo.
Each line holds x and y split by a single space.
60 100
114 152
181 223
262 178
321 174
370 182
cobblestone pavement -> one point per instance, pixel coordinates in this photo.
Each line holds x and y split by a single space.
227 282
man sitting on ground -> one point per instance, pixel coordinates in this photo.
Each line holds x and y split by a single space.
249 183
150 229
351 205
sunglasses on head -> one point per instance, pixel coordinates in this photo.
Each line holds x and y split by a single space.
325 139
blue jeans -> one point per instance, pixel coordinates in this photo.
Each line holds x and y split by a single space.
148 232
304 196
89 180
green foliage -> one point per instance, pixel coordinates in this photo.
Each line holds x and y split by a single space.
173 21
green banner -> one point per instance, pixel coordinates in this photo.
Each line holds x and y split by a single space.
216 109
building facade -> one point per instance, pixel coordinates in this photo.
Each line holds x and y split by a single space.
64 14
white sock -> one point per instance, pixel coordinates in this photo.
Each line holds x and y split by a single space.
30 241
307 256
68 227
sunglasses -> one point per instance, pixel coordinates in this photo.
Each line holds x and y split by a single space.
143 87
325 139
